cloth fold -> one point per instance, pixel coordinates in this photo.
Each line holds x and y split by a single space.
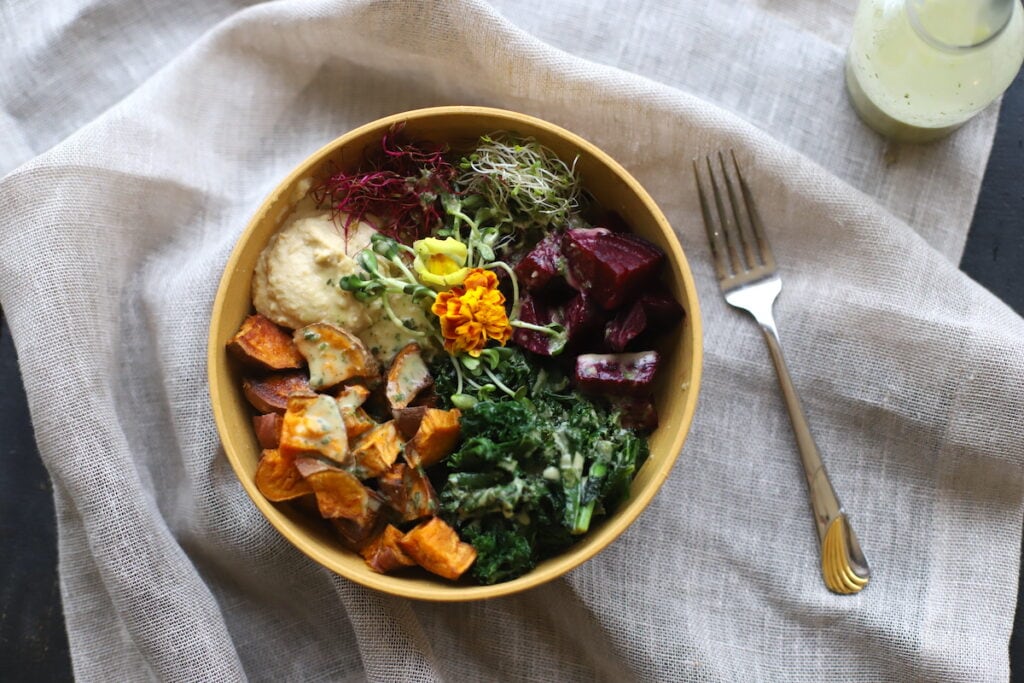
113 241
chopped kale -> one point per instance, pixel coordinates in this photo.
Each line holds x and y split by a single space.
532 472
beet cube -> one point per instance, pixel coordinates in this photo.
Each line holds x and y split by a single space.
534 311
616 373
543 267
627 326
662 308
637 412
584 321
654 310
612 267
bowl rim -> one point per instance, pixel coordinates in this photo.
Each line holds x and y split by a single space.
612 527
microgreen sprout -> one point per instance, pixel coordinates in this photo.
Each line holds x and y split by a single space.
383 273
557 332
481 373
398 194
522 178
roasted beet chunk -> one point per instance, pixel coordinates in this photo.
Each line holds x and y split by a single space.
536 312
654 311
584 321
627 326
616 373
612 267
637 412
543 268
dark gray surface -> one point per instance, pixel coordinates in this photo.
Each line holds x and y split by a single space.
33 643
994 255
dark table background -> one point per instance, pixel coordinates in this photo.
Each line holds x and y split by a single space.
33 643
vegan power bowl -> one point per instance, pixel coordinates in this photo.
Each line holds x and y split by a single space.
453 355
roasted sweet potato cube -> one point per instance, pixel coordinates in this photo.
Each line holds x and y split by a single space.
435 439
391 484
268 429
437 548
313 424
409 492
407 377
270 394
278 479
352 396
261 343
357 422
356 533
340 494
376 450
334 355
383 554
408 420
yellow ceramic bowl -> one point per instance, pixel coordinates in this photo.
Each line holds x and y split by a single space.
614 188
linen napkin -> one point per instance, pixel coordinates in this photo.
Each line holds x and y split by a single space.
142 138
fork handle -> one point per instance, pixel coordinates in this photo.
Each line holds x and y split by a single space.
824 502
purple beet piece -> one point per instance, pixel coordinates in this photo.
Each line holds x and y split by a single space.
584 321
637 412
612 267
543 267
661 307
627 326
616 373
533 310
654 310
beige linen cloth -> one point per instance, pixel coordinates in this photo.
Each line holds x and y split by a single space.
140 137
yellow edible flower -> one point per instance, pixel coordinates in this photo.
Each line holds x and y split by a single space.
440 263
472 313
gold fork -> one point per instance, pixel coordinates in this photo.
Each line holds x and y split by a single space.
748 278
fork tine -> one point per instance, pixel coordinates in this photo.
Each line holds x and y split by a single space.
726 223
747 248
714 236
767 258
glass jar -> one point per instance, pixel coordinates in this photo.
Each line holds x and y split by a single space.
918 69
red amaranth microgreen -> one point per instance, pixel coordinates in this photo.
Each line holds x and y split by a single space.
397 192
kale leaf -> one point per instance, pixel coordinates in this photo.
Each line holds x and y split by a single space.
532 472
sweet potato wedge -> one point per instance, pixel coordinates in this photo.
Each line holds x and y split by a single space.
435 439
268 429
437 548
376 450
357 533
407 377
357 422
270 394
352 396
383 554
408 491
408 420
334 355
262 343
278 479
313 424
341 494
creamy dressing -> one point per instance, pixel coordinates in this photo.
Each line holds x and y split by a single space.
917 69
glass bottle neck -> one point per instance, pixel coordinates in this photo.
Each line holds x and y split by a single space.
959 24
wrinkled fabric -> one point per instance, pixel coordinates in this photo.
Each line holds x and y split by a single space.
139 139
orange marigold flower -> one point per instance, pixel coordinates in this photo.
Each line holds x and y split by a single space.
472 313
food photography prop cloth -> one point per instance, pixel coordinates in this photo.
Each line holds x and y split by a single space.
139 138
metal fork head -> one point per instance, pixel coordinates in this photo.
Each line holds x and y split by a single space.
738 245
